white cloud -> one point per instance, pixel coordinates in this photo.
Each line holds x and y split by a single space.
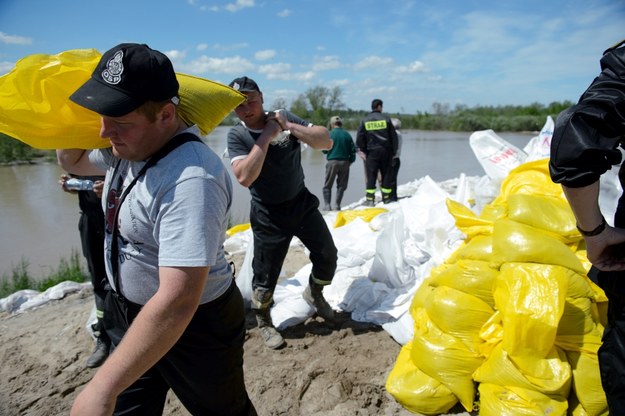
284 13
325 63
232 47
204 64
201 47
175 55
238 5
411 68
14 39
373 62
281 71
265 54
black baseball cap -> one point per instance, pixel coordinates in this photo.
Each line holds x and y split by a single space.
126 77
244 84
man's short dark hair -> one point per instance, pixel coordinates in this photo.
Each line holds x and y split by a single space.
376 103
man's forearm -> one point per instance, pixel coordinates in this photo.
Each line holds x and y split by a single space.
584 203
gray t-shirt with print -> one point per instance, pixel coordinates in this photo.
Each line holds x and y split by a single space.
175 215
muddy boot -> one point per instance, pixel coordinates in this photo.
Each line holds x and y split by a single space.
339 198
313 294
261 303
102 347
327 196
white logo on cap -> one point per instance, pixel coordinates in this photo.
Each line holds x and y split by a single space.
236 86
114 69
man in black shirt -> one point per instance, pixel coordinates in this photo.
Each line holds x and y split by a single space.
376 140
585 145
264 150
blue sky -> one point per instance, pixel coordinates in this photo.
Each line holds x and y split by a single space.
408 53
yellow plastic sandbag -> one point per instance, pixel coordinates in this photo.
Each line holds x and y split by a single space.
577 318
419 298
529 178
474 277
547 213
587 382
467 221
35 106
588 342
516 242
551 374
531 300
458 314
479 247
444 358
496 400
580 286
347 216
492 334
415 390
237 229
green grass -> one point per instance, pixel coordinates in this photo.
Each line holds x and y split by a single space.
21 279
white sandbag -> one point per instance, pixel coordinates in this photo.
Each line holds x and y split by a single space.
244 276
14 301
496 155
539 147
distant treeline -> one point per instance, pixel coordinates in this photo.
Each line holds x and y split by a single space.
462 118
319 104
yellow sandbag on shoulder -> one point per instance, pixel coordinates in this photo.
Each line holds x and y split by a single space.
531 300
415 390
204 102
516 242
35 106
347 216
496 400
551 375
445 358
458 314
474 277
546 213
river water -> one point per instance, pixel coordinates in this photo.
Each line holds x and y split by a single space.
39 222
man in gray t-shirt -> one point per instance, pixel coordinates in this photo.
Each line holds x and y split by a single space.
264 150
174 315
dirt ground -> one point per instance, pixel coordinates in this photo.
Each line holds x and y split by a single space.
322 371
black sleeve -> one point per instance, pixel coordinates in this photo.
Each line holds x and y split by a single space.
587 135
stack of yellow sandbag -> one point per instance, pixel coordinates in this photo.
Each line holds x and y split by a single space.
509 324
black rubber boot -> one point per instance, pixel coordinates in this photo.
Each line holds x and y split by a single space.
339 198
327 196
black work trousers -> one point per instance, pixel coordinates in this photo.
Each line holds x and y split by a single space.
379 161
611 354
91 228
274 226
204 368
